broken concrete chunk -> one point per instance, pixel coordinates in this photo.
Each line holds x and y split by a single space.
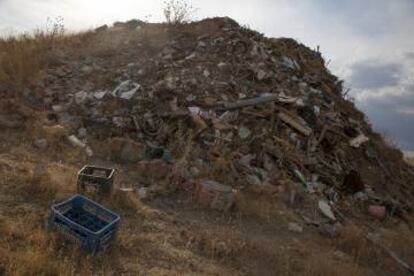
215 195
295 124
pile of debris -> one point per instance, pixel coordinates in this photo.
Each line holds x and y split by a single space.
214 105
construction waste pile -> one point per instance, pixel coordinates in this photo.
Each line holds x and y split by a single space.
212 108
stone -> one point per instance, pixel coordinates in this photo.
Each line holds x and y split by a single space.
58 108
143 193
82 132
261 74
222 65
294 227
100 95
41 144
244 132
81 97
206 73
201 44
214 195
87 69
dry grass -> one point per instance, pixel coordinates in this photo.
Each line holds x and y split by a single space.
25 57
324 263
354 242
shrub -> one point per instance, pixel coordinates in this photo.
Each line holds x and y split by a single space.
178 12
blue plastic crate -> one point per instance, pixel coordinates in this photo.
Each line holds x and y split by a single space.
85 221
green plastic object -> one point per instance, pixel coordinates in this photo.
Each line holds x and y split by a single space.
158 153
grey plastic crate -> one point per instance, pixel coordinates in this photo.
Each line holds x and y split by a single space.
96 178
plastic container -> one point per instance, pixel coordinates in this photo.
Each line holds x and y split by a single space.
96 178
85 222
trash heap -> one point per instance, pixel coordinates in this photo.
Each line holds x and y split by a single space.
216 103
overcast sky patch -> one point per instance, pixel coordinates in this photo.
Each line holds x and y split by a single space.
372 75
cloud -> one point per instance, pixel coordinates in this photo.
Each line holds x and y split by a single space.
372 75
409 55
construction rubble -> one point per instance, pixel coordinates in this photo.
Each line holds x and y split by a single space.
214 109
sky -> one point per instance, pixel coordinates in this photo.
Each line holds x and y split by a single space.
369 44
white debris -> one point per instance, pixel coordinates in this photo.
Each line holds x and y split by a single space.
356 142
290 63
326 210
124 189
100 95
194 110
299 102
58 108
126 90
206 73
192 56
89 151
75 141
221 65
201 44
